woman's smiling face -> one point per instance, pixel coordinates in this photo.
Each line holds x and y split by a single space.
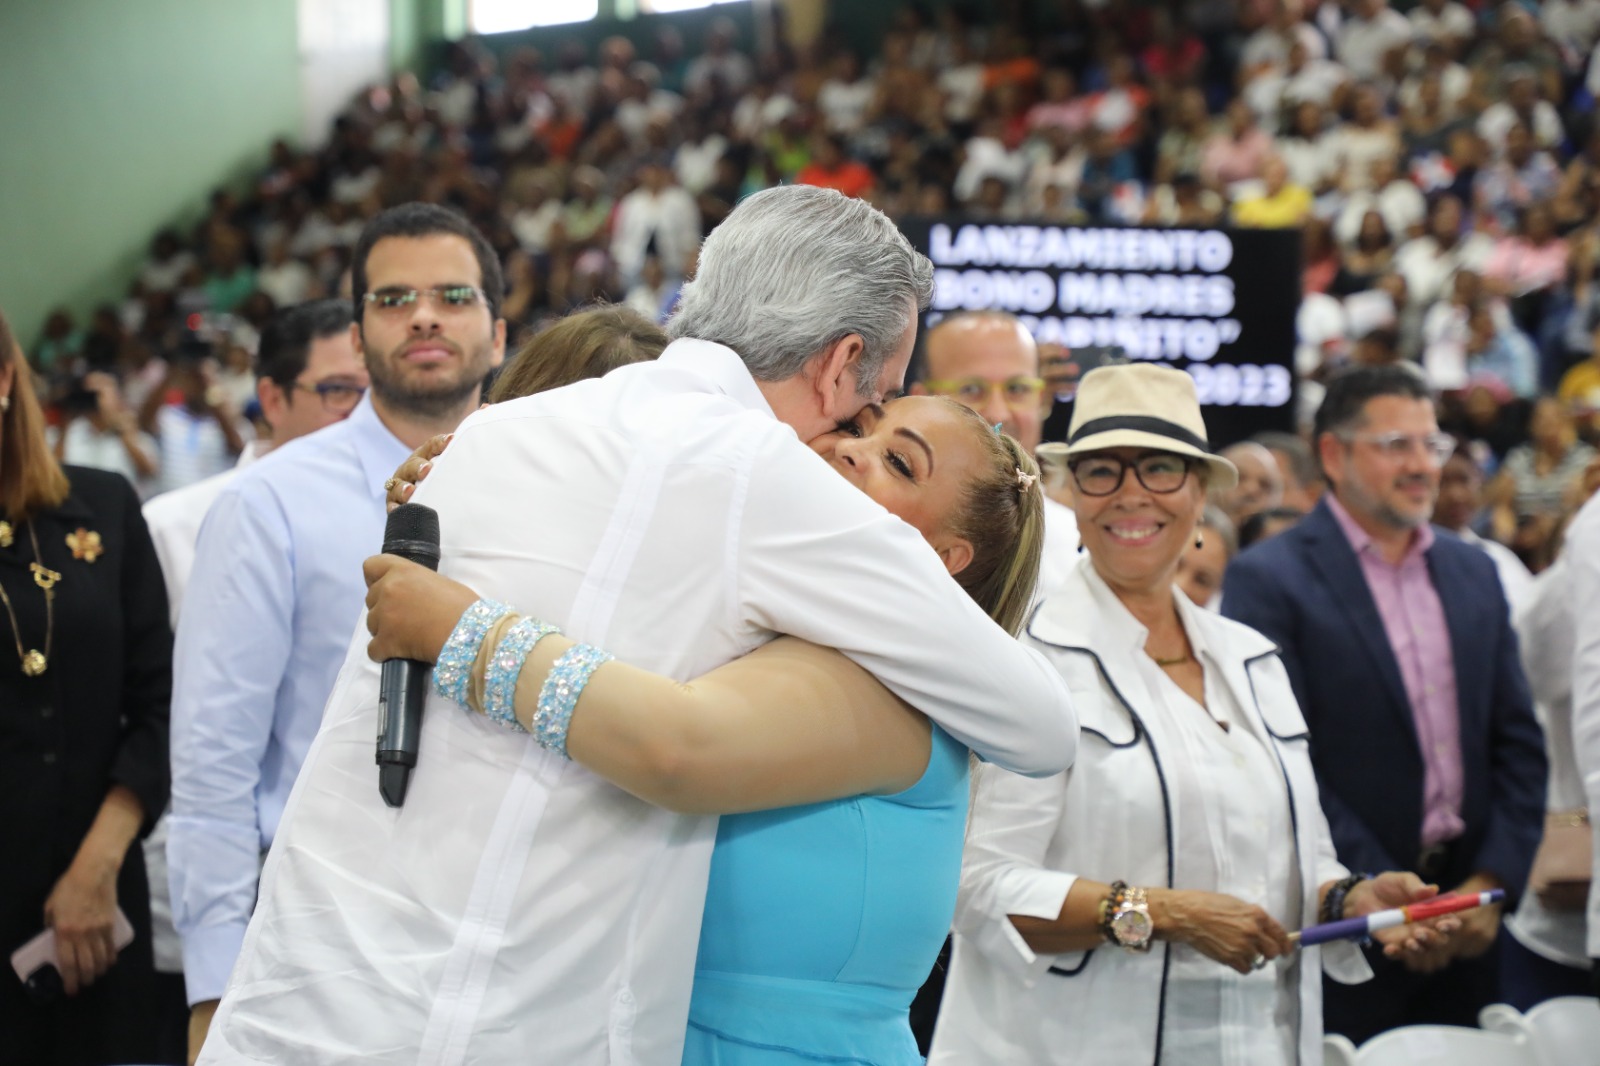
1135 536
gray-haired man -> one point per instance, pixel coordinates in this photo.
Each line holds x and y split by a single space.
671 513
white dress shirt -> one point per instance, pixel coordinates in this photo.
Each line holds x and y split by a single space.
274 595
1238 822
1142 804
518 908
1060 553
1516 580
1545 624
1582 553
174 519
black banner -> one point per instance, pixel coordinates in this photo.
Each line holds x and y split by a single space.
1218 303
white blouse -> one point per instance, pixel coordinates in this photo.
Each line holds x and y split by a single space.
1239 839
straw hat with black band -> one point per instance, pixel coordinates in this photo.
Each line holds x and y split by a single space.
1140 405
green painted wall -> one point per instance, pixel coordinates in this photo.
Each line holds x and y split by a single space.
120 116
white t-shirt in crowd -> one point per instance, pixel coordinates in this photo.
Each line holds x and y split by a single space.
193 447
844 104
287 283
1362 43
1453 21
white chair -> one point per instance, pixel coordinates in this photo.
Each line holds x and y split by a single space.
1566 1031
1443 1045
1504 1018
1337 1050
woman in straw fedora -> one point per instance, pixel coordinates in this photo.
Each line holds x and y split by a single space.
1133 909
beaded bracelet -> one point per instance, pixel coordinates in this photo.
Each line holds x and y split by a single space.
453 671
560 694
500 678
1333 902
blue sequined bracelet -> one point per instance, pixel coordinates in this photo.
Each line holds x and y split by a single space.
453 671
560 694
500 679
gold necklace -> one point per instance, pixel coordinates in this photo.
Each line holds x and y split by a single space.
35 662
1179 660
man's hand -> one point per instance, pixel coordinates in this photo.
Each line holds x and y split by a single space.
1418 940
1474 936
82 909
200 1016
1479 926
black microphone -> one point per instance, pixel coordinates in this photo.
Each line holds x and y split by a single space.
412 533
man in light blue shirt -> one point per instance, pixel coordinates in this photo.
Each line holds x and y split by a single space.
276 588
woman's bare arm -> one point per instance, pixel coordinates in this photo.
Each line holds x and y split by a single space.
790 723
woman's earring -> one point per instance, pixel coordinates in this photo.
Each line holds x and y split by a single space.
5 404
1199 539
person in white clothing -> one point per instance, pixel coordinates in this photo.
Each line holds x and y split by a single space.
1460 503
1583 555
1372 31
1134 908
658 213
670 513
311 375
1547 954
100 431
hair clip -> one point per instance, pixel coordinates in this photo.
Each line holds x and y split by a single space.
997 426
1025 481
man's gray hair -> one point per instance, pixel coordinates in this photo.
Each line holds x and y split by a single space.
796 269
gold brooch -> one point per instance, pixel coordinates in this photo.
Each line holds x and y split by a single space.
5 534
85 545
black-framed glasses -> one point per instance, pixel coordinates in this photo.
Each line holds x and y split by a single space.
1101 475
337 396
451 297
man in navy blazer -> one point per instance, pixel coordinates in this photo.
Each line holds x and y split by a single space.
1399 646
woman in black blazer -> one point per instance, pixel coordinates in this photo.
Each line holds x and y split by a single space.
85 679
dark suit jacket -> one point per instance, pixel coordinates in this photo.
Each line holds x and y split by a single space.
1306 591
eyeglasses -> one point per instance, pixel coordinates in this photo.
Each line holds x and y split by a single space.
1014 392
337 397
1101 475
449 297
1436 446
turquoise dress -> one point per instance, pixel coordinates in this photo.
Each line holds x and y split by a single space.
822 921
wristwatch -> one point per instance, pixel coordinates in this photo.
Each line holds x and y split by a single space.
1125 918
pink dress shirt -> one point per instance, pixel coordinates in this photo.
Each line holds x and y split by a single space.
1413 619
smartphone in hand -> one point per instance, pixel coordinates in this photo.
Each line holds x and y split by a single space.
39 967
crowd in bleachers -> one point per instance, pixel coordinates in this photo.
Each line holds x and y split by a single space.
1442 161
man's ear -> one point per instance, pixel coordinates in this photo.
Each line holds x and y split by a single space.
836 377
1331 451
499 342
956 554
274 400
